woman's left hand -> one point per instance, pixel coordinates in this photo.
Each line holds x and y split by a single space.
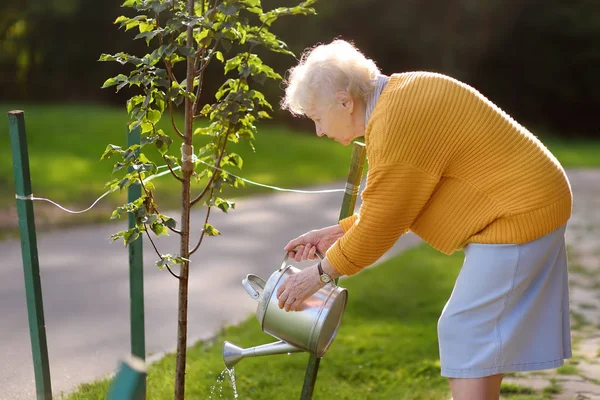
298 287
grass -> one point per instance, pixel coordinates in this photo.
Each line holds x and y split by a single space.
581 270
66 141
386 347
574 153
567 369
512 388
553 388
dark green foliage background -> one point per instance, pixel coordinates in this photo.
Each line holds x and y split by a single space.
537 59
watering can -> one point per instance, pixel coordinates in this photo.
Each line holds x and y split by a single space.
311 329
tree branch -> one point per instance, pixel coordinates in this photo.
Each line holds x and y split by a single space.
158 252
171 169
203 231
171 79
171 104
174 230
201 78
212 178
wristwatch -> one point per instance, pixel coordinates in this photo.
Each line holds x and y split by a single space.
325 278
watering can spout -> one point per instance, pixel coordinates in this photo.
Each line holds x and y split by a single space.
232 354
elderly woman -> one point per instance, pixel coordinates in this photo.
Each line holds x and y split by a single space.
449 165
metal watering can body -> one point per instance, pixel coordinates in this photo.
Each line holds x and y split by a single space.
311 329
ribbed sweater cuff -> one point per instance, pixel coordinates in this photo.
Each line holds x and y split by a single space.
347 223
340 262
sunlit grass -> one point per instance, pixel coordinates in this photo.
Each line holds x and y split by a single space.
386 347
66 142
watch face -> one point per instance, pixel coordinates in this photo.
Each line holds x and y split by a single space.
325 278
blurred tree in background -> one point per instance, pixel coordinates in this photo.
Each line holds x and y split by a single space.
537 59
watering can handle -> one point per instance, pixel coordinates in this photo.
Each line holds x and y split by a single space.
287 256
254 285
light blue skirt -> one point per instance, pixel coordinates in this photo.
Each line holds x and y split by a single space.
509 310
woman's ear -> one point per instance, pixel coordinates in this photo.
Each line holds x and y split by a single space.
344 99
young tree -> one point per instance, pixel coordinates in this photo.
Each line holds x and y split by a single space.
194 32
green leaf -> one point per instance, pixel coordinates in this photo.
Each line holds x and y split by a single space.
148 139
159 229
159 6
235 159
110 150
149 35
210 230
165 261
224 205
203 34
208 131
121 19
228 8
186 51
131 235
226 44
219 56
114 81
118 213
260 78
146 127
131 24
119 166
170 222
252 3
154 116
123 183
163 143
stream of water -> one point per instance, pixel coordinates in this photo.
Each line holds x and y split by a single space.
217 390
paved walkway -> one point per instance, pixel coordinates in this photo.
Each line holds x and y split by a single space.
86 295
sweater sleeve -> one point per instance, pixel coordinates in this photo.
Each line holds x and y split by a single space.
394 196
347 223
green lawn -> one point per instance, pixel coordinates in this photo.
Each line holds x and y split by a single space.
574 153
386 347
66 142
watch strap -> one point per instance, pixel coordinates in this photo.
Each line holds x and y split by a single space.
320 268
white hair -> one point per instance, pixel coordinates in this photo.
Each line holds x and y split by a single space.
325 69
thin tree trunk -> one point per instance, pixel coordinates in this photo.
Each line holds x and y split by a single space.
187 169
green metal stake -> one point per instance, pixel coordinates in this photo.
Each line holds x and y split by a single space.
136 273
31 268
348 204
130 382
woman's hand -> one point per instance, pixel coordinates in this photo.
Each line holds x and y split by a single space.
299 287
305 247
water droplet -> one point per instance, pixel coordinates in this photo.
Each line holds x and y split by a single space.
221 380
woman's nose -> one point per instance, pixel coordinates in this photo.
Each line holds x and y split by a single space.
319 131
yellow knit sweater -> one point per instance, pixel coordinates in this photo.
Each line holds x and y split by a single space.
447 164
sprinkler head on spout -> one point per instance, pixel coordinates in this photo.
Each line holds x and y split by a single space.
232 354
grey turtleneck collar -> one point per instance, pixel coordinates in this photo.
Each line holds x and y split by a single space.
372 98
